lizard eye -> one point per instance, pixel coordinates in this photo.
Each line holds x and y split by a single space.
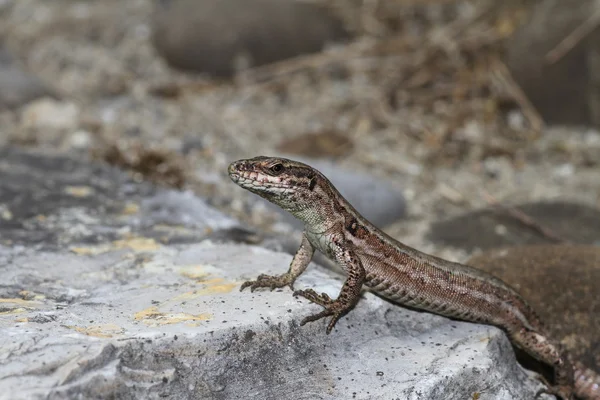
277 168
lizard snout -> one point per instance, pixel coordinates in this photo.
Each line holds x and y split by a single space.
232 169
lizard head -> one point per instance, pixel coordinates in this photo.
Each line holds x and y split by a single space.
289 184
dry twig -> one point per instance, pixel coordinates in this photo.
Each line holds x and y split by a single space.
578 34
504 82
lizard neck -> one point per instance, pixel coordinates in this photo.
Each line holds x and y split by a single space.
317 219
325 209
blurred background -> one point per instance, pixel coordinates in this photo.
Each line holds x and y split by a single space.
439 99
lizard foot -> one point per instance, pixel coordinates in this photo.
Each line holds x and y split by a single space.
334 308
269 281
562 392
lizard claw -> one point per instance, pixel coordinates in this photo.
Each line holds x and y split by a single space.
562 392
334 308
268 281
322 299
336 315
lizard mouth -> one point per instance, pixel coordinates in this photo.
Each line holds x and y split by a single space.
253 179
257 181
234 176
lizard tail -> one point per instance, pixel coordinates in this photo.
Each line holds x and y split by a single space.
587 382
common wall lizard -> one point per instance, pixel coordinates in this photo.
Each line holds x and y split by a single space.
396 271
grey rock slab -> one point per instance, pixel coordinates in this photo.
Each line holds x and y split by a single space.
219 37
111 288
170 321
55 201
488 228
17 86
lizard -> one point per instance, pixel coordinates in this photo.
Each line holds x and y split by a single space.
395 271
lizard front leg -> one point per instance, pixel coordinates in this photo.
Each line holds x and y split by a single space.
297 266
349 295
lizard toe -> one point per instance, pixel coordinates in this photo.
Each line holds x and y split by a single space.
267 281
321 299
245 285
336 317
315 317
561 392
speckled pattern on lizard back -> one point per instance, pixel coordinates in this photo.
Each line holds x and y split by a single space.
395 271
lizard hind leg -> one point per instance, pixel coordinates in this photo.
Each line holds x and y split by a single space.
562 392
541 348
348 297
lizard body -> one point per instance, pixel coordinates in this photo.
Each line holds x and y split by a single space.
396 271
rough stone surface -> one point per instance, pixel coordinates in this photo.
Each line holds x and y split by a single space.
108 310
170 320
17 86
58 201
561 283
487 229
50 114
221 36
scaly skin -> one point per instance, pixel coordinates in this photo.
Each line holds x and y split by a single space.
395 271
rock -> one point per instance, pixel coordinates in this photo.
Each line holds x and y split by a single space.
487 229
17 86
561 283
81 140
50 114
100 306
50 123
565 91
219 37
58 201
143 324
